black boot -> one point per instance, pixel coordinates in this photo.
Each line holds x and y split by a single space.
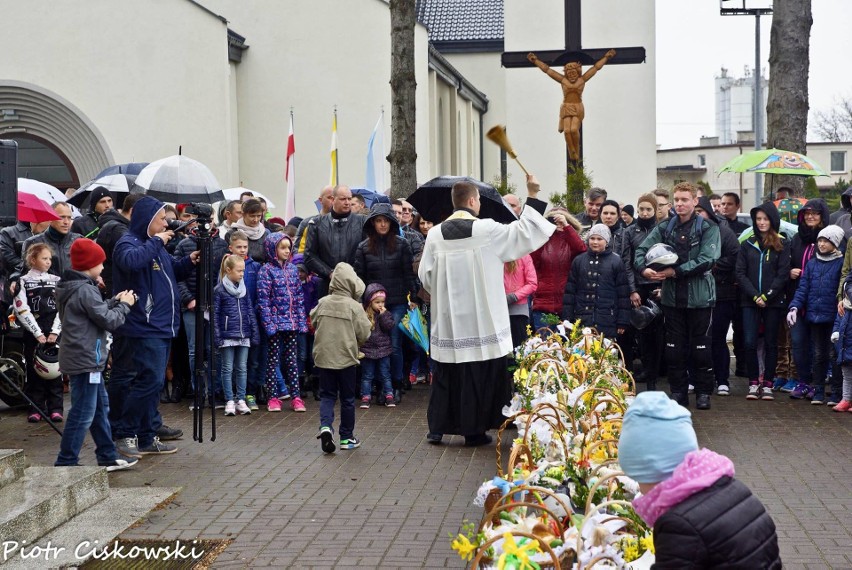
313 379
164 394
397 396
177 391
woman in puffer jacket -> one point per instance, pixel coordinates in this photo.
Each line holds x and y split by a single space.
385 257
763 268
520 282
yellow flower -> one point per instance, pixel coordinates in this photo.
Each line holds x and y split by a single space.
520 554
464 547
647 542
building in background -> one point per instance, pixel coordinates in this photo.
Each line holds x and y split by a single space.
735 106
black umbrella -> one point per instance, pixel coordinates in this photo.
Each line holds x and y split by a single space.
133 168
433 200
179 179
119 186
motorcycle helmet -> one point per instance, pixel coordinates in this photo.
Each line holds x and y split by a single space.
644 314
46 361
660 256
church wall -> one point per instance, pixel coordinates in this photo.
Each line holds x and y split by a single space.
144 81
620 124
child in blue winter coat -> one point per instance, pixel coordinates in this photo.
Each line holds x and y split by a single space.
234 330
841 336
815 297
238 243
282 314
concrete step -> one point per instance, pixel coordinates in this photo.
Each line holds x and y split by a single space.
12 465
46 497
70 544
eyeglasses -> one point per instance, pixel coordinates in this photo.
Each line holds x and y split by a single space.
407 209
811 213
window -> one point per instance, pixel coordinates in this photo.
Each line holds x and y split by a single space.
702 160
838 161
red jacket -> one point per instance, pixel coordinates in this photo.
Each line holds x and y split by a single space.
552 265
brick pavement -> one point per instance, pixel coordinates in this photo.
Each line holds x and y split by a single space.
395 501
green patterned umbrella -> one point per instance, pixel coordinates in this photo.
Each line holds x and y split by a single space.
774 161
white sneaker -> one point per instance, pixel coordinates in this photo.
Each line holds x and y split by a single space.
243 408
691 389
723 390
753 392
229 408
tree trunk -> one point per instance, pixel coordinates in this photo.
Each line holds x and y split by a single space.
403 154
787 104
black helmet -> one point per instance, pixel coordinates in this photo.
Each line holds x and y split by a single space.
644 314
659 256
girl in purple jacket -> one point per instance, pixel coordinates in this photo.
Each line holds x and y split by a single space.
282 314
378 348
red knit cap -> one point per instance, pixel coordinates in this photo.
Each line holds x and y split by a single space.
86 254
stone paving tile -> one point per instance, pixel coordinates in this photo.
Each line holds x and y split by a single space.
394 502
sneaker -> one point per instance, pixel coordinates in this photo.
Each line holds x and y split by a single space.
157 447
843 406
753 392
327 439
166 433
766 393
691 389
389 401
412 378
789 386
252 403
128 447
818 397
831 401
810 393
230 408
285 397
723 390
702 402
298 405
273 405
56 417
800 391
778 383
220 404
33 418
119 464
242 408
351 443
365 403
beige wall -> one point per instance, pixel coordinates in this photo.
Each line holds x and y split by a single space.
151 76
620 124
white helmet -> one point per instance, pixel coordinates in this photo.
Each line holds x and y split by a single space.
46 361
659 256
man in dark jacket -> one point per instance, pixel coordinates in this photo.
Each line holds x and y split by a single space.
729 208
59 237
333 237
727 300
89 225
325 201
845 206
592 212
688 293
114 224
142 264
12 239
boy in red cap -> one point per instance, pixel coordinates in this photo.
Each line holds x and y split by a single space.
83 354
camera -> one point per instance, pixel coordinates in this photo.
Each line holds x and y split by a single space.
202 212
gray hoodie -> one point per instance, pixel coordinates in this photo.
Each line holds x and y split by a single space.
82 347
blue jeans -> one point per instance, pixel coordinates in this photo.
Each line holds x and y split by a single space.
723 317
305 343
234 371
89 411
140 409
802 348
331 384
771 318
397 373
369 366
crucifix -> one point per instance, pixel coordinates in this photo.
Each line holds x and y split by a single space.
573 57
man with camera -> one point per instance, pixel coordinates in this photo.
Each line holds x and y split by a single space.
141 263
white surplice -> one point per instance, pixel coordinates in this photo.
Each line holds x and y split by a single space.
464 276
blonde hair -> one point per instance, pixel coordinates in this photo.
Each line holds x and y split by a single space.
35 250
229 262
510 267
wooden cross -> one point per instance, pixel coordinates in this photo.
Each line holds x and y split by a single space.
573 48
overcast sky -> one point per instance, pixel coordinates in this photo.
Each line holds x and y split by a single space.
694 42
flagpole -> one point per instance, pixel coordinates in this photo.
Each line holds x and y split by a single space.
336 152
291 199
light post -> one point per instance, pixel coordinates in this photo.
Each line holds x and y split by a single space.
756 8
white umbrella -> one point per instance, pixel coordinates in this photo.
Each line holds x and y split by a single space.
114 183
46 192
179 179
234 194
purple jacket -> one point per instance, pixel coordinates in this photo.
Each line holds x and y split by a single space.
310 293
379 344
279 292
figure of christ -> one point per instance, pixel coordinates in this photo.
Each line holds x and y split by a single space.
571 112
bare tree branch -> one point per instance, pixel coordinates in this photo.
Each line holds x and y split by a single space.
834 125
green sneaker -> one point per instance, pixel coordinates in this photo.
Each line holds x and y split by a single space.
326 438
351 443
252 403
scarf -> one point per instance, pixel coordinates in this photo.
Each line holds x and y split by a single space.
698 471
237 290
828 257
253 233
646 224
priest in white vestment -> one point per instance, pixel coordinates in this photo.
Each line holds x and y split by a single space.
462 269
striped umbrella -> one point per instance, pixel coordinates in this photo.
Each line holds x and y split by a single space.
179 179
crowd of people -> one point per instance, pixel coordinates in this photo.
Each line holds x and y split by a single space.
315 304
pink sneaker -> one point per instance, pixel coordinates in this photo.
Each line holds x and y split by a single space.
843 406
298 405
273 405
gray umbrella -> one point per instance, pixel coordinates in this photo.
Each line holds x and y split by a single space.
179 179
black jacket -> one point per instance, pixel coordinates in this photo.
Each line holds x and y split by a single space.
186 287
394 270
61 250
803 244
597 292
724 270
113 226
723 526
87 225
11 240
636 233
620 243
329 240
762 270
